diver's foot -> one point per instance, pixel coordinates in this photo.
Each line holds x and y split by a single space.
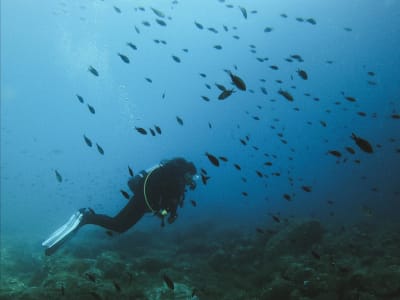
86 212
66 231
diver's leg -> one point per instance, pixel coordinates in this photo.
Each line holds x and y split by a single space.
124 220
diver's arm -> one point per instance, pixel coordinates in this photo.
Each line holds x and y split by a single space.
172 212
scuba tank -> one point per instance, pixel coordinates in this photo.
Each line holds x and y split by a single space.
136 182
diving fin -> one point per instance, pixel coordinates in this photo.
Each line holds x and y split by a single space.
62 234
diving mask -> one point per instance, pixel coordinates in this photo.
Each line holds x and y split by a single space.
191 180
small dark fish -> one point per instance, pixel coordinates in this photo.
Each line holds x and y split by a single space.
125 194
168 281
245 194
212 159
297 57
146 23
286 95
203 75
130 171
225 94
299 19
124 58
80 98
212 29
185 50
58 176
87 141
91 277
223 158
220 87
158 129
395 116
350 150
351 99
302 74
276 219
218 47
287 197
273 67
132 45
179 120
370 73
259 174
93 71
117 9
203 171
141 130
148 79
91 109
194 203
194 293
348 29
335 153
311 21
315 254
205 98
117 286
307 188
259 230
362 143
244 12
264 90
237 81
137 30
161 22
204 178
100 149
237 167
176 58
198 25
152 132
158 12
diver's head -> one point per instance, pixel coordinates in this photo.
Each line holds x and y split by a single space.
190 180
181 167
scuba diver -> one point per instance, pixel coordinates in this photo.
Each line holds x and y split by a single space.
158 190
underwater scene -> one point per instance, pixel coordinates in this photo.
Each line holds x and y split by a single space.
200 149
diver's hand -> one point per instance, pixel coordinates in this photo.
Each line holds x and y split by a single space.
172 218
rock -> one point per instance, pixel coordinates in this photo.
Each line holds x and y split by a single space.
111 265
293 240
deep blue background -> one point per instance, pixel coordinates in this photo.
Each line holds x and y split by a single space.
47 48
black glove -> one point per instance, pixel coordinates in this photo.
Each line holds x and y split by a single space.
172 218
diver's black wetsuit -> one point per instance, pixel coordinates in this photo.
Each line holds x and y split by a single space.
165 189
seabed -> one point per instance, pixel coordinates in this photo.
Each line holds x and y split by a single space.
297 260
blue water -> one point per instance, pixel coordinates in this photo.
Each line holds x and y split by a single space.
46 50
